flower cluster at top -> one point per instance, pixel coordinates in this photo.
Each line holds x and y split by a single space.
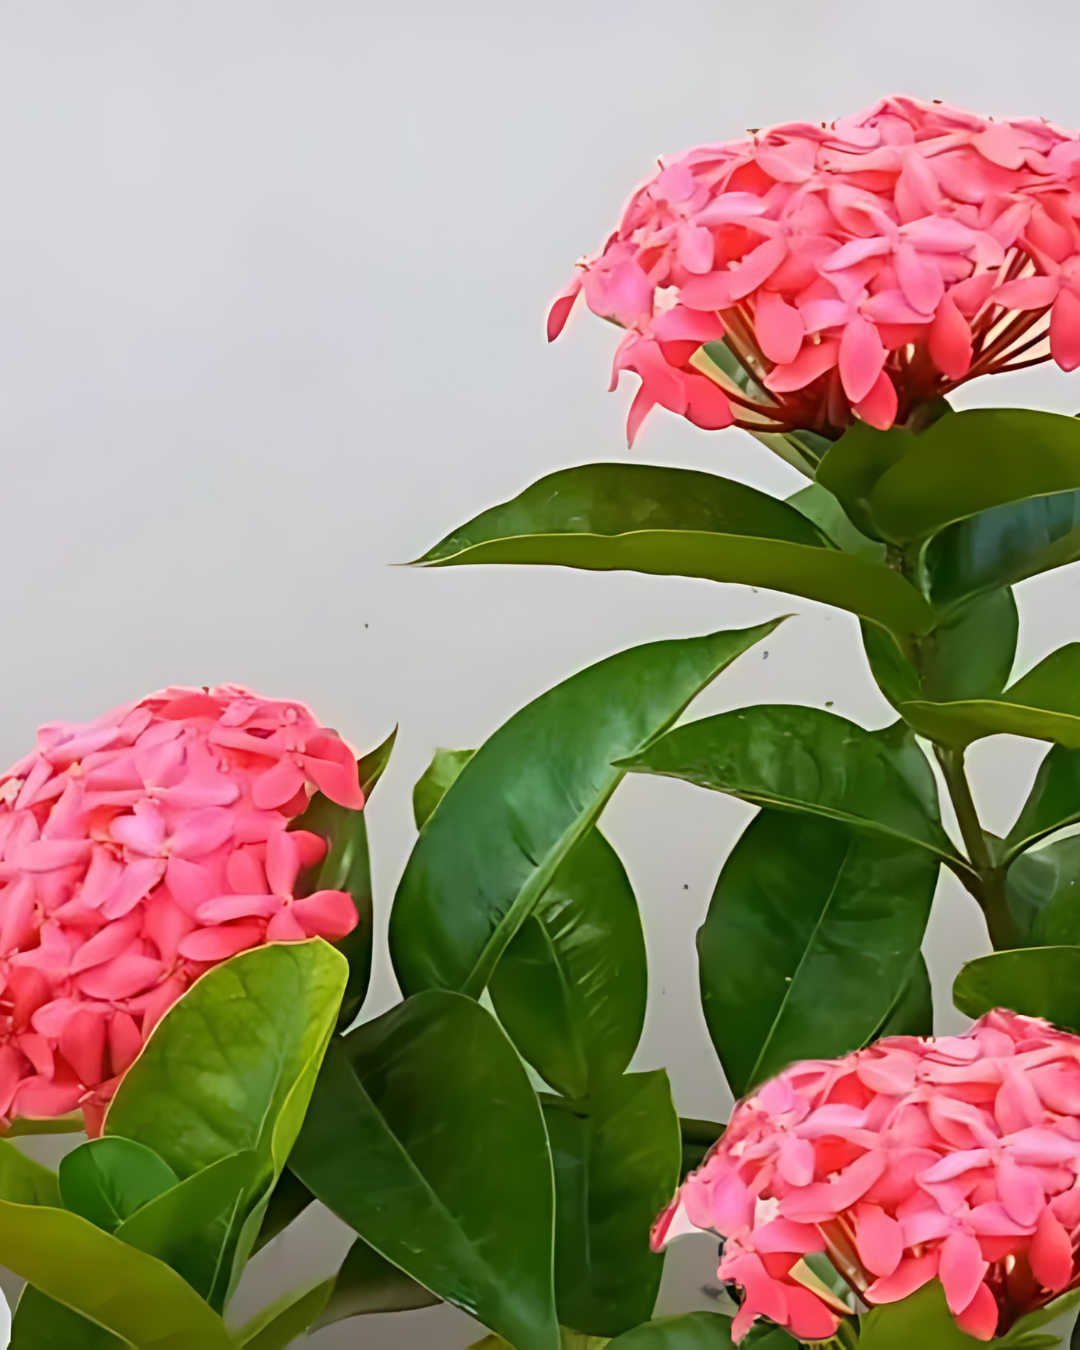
954 1158
136 851
858 269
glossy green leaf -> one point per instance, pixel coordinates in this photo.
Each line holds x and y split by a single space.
966 462
433 783
689 1331
107 1180
1044 704
572 986
1052 803
286 1319
811 938
425 1136
616 1167
1058 919
698 1136
371 767
856 463
913 1012
346 867
288 1200
40 1323
811 761
192 1227
531 792
680 522
368 1283
24 1181
230 1068
1036 981
921 1319
135 1296
28 1125
819 505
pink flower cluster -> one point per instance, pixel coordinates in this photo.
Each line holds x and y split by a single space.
136 851
861 268
956 1158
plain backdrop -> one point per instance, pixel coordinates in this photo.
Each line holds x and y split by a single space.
272 285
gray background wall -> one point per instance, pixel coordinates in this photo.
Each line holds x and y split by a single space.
272 285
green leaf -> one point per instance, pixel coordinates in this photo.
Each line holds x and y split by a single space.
856 463
698 1136
1058 919
368 1283
616 1167
107 1180
426 1138
40 1323
689 1331
1053 802
811 938
27 1125
346 867
192 1226
1001 546
135 1296
913 1012
819 505
966 462
371 766
231 1067
809 761
679 522
1044 705
1035 981
572 986
24 1181
921 1319
288 1200
286 1319
530 793
433 783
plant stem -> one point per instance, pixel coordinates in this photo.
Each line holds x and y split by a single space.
990 892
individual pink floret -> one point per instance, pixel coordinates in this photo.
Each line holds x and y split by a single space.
955 1158
136 851
858 269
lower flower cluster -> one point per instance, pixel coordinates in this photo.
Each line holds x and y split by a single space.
956 1158
137 851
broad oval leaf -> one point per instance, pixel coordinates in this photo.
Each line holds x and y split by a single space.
571 988
425 1137
616 1166
1052 803
913 1012
107 1180
921 1319
1044 704
25 1181
129 1293
528 795
811 939
1035 981
689 1331
1058 919
811 761
680 522
40 1323
964 463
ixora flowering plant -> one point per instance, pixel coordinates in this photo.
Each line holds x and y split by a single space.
186 910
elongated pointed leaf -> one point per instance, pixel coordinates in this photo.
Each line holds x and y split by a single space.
571 987
811 938
616 1167
964 463
921 1319
135 1296
107 1180
808 761
285 1320
1044 705
530 793
372 766
433 783
1036 981
679 522
24 1181
1052 803
690 1331
368 1283
698 1136
819 505
425 1137
40 1323
289 1198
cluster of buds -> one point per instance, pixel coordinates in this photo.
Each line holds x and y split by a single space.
861 269
137 851
956 1159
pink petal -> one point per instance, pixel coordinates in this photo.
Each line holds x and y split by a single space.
980 1318
125 1042
142 832
562 305
1020 1190
949 341
282 862
83 1046
17 921
1051 1253
339 782
879 1238
706 403
285 927
121 977
878 409
48 855
781 1235
277 785
43 1099
813 360
731 1206
808 1317
218 944
245 872
755 268
919 279
862 357
796 1161
1064 332
892 1074
856 251
764 1296
200 832
961 1270
326 914
621 292
823 1200
227 907
892 307
109 942
138 879
779 328
680 324
188 883
695 248
1028 293
911 1274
